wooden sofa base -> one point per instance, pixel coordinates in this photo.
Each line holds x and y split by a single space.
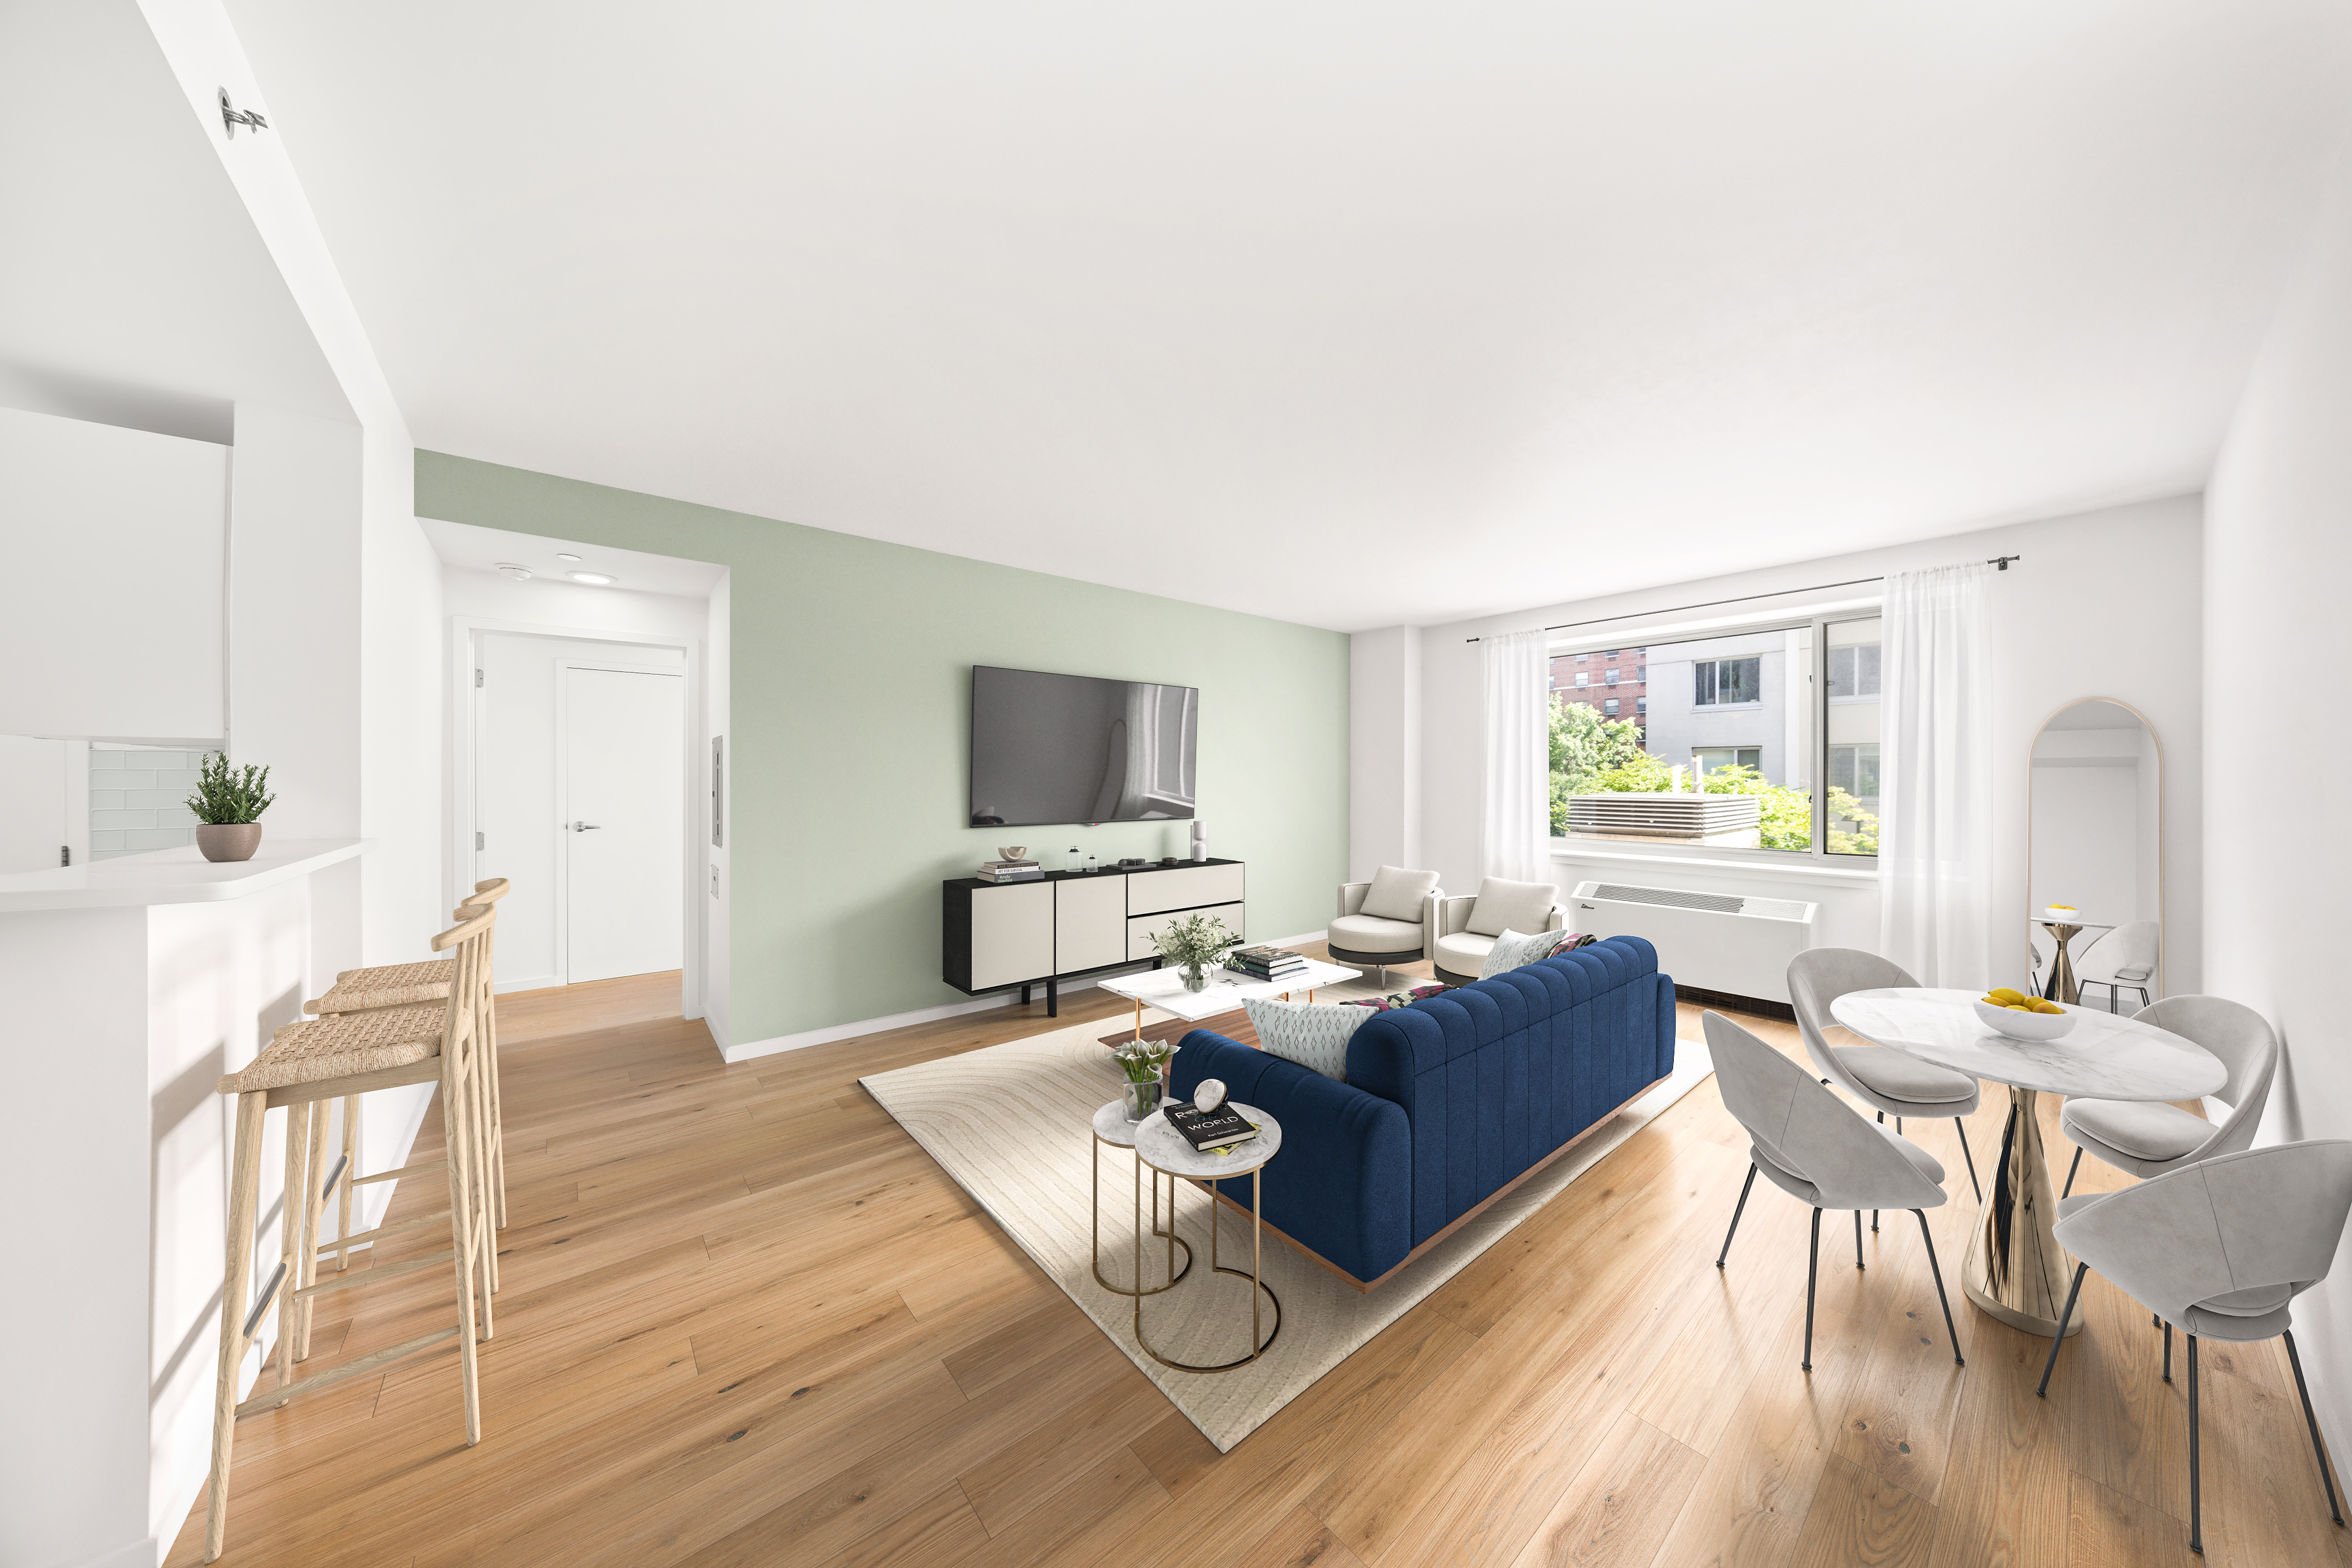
1465 1218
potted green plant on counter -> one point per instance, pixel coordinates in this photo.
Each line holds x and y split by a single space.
1197 943
228 803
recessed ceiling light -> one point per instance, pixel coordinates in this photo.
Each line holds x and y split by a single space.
514 569
565 555
598 578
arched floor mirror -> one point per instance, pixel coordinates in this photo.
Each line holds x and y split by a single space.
2094 857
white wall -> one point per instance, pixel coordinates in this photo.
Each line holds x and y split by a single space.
1383 751
2278 553
113 540
2105 603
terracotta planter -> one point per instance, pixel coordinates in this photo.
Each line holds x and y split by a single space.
228 840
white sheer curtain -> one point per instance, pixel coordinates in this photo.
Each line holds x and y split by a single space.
1935 826
1516 842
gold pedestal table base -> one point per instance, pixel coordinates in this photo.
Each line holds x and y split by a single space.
2016 1270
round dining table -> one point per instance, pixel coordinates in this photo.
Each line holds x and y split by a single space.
2015 1268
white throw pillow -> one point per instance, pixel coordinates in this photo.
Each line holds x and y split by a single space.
1512 950
1312 1033
1512 906
1397 894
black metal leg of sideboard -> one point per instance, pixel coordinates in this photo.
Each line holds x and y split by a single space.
1053 997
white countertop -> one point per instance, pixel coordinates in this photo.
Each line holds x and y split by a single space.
170 877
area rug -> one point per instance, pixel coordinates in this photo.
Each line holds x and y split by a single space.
1010 1124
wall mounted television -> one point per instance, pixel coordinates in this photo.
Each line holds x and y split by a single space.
1048 749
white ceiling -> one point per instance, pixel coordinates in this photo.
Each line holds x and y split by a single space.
487 549
135 289
1350 313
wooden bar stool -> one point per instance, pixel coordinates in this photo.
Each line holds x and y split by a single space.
407 984
303 1068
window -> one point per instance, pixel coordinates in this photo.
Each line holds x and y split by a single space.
1609 677
1641 705
1854 768
1582 656
1727 682
1853 672
1609 706
1583 678
1640 672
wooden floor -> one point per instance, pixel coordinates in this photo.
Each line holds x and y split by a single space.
746 1321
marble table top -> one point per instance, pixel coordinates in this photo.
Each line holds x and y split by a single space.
1164 1148
2104 1057
1164 988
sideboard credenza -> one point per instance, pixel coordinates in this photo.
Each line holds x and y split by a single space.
1075 924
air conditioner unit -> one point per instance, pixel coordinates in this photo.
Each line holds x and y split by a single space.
1713 942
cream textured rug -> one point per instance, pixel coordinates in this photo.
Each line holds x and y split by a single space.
1010 1124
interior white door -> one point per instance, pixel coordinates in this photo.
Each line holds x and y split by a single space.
624 829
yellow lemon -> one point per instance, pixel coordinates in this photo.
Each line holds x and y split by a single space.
2005 995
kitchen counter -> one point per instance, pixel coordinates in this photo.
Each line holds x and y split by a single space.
181 876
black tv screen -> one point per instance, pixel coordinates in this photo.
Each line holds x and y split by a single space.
1074 748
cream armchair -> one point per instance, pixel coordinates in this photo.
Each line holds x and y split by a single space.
1385 921
1465 929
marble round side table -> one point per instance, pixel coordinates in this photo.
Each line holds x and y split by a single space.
1112 1127
2016 1271
1163 1149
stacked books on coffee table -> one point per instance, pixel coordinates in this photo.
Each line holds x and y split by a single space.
1266 963
1011 871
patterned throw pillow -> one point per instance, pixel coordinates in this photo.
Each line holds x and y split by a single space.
1312 1033
1512 950
1395 999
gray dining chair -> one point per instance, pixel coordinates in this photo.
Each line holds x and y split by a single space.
1894 1083
2220 1247
1813 1146
2148 1138
2123 960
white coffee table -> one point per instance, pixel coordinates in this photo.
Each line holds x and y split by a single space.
1164 989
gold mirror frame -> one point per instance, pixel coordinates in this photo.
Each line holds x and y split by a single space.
2163 924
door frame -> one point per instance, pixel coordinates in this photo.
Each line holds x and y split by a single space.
460 870
563 669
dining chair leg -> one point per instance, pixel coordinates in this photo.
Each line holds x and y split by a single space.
1941 1299
1973 1183
1857 1237
1812 1277
2167 1353
2070 1176
2196 1491
1738 1209
2318 1449
2060 1337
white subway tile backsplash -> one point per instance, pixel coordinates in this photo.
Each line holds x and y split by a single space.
181 779
106 800
105 839
105 758
173 800
133 778
158 838
122 819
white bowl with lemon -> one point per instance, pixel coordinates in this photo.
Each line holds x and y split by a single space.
2022 1015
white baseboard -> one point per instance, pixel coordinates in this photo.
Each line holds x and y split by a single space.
778 1044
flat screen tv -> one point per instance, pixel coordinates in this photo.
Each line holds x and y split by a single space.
1049 749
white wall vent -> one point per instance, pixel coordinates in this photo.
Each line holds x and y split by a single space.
1715 942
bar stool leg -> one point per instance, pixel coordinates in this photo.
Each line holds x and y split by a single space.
351 1182
289 1238
314 1210
461 1237
243 1201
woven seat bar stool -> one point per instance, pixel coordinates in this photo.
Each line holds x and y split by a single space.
407 984
304 1068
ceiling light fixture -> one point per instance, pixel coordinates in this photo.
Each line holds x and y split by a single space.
565 555
515 570
597 578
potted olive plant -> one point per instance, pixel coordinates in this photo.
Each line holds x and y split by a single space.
228 803
1198 944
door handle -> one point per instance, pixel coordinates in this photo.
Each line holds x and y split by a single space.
585 826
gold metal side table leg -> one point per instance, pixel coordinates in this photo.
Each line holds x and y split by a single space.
1256 1277
1095 1158
2016 1270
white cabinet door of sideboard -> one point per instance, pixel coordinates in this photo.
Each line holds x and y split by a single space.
1186 888
1089 923
1011 934
1140 930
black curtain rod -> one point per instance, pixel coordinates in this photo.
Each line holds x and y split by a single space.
2000 561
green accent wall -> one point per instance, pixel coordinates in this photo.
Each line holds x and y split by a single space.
849 741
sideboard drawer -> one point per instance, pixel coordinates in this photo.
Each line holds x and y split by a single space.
1140 930
1184 887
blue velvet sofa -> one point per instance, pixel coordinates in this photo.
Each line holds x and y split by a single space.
1448 1102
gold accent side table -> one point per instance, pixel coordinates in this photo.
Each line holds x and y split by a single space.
1163 1149
1112 1127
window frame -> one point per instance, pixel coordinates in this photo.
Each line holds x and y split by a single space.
1818 856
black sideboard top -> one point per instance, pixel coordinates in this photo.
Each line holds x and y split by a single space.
1108 870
